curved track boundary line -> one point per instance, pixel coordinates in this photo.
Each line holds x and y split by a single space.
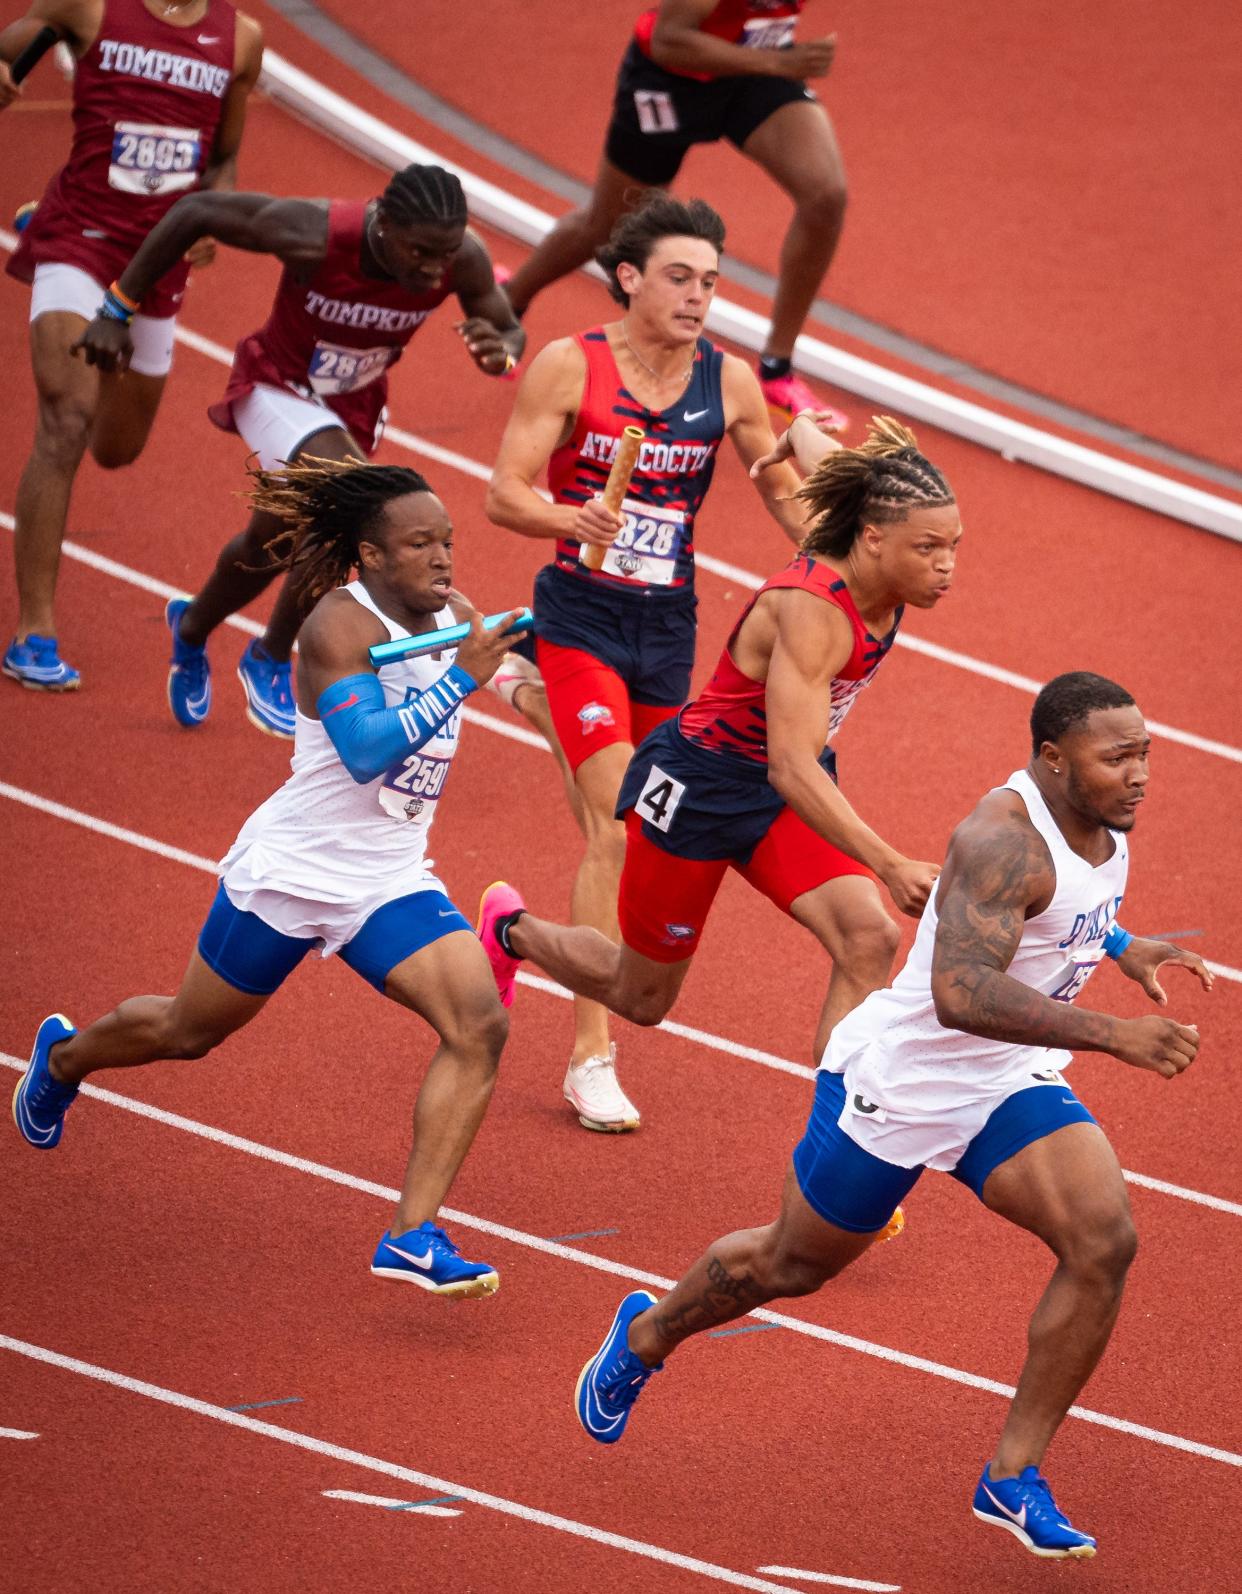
389 1469
566 1253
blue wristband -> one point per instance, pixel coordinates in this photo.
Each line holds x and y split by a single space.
1116 941
113 310
371 737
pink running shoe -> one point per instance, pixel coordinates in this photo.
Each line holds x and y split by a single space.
499 898
789 394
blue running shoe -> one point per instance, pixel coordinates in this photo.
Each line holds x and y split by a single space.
39 1101
427 1257
36 664
189 678
1025 1506
613 1379
24 215
269 692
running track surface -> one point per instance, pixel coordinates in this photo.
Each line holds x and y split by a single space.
201 1269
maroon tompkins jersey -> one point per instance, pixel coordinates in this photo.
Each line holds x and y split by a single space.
754 24
333 336
729 715
147 101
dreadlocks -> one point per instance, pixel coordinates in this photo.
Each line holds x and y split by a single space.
881 480
424 194
328 506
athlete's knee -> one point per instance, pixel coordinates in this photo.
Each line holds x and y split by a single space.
647 1007
605 838
868 946
64 430
188 1040
1103 1246
784 1272
824 200
478 1030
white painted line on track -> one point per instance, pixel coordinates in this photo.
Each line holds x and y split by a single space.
426 1508
16 1433
827 1577
730 572
390 1469
699 1037
566 1253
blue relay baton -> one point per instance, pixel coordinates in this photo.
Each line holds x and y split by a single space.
409 647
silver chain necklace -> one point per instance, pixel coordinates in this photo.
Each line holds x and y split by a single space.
683 379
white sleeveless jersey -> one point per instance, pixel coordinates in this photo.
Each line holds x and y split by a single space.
901 1059
324 852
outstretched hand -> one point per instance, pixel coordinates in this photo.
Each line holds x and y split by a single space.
1143 958
825 421
105 343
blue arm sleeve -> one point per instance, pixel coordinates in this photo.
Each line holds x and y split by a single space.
371 737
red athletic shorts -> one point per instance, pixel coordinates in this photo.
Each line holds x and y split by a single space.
665 899
590 705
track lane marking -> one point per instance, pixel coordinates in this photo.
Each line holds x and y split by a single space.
718 1043
212 350
535 1242
390 1469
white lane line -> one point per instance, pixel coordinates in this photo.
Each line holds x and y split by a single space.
390 1469
16 1433
426 1508
698 1037
746 578
827 1577
567 1253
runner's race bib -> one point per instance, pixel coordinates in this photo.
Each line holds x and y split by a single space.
154 160
334 369
647 545
410 789
768 33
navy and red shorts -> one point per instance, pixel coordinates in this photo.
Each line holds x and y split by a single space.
614 664
690 816
658 115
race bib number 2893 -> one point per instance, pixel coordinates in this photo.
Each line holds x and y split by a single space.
148 159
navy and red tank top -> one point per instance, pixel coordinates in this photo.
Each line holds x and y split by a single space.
147 102
755 24
729 716
654 551
333 335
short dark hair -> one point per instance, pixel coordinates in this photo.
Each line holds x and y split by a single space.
424 194
638 232
1066 702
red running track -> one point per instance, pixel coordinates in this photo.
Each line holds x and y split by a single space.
143 1249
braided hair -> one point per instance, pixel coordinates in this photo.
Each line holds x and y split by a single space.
424 194
881 480
639 231
329 507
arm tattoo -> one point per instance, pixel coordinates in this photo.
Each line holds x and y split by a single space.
1000 869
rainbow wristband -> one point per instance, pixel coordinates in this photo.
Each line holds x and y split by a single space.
118 306
1116 941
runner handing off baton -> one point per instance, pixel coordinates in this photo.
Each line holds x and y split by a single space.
614 611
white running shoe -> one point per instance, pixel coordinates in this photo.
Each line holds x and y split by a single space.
594 1093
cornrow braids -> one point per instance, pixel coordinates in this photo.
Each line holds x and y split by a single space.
881 480
424 194
638 232
328 506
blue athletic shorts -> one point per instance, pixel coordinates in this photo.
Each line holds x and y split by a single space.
854 1190
252 957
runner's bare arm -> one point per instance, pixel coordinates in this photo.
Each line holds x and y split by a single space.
812 642
494 337
294 230
750 430
678 44
221 169
77 22
997 874
544 411
806 440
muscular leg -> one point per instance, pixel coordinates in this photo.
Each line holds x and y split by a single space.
128 403
1068 1190
797 147
576 236
241 574
205 1011
793 1256
531 702
848 918
68 393
450 984
599 971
